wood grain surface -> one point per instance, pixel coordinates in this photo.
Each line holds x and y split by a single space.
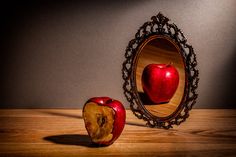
161 51
61 132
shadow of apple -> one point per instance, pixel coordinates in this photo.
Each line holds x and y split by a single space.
71 139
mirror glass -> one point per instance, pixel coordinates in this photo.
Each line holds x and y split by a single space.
160 54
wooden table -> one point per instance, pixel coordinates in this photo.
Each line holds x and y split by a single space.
61 132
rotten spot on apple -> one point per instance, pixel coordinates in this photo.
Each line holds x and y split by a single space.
104 120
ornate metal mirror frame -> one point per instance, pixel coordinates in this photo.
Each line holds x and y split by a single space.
160 26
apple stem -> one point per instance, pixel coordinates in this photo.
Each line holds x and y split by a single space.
170 63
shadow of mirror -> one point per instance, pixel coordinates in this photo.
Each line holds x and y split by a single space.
79 116
135 124
63 114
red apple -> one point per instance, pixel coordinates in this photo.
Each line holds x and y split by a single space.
104 119
159 82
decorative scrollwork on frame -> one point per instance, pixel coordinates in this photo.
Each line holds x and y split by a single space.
159 25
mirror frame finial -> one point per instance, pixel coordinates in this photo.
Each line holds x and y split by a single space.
159 25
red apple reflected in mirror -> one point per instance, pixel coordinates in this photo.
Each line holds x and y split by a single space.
104 120
159 82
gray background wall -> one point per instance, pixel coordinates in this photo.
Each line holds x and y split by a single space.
60 54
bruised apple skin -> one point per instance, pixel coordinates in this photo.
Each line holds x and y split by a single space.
104 120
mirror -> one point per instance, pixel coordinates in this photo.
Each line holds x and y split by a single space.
160 74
